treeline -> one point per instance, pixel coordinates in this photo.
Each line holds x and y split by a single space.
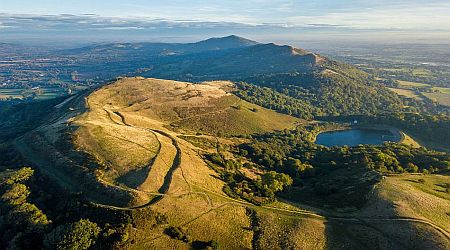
24 226
426 127
31 217
293 152
333 92
338 176
271 99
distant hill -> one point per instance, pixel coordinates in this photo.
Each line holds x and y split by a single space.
328 87
237 63
145 50
220 43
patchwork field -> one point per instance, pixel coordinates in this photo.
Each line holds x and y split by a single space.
435 94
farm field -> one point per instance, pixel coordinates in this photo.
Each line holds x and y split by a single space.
441 90
437 94
11 93
39 94
406 93
441 98
412 84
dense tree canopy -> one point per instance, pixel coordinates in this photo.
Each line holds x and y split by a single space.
78 235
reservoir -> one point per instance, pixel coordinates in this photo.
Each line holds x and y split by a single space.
354 137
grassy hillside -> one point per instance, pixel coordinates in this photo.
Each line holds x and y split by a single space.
129 126
208 107
170 165
419 196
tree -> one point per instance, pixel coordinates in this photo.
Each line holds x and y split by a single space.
21 175
411 167
16 195
273 182
78 235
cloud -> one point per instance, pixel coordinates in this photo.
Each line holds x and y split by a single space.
417 21
325 25
81 22
419 17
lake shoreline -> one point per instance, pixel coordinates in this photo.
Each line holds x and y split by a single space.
397 135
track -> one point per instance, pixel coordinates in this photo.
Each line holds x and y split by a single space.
176 164
323 216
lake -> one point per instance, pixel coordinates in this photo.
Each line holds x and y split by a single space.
354 137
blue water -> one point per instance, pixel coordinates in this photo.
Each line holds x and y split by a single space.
354 137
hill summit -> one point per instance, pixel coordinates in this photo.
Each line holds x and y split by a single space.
227 42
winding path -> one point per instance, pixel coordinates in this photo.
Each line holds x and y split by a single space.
176 164
323 216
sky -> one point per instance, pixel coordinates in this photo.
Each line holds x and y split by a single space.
286 21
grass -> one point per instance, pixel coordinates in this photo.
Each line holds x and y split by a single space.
421 196
239 119
406 93
421 72
276 231
204 143
155 177
412 84
408 140
441 90
120 149
226 224
441 98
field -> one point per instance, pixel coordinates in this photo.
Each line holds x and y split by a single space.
406 93
436 94
421 72
441 90
441 98
412 84
40 94
440 95
11 93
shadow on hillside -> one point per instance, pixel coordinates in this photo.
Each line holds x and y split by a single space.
135 178
376 226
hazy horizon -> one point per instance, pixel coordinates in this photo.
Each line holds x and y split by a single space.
290 22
